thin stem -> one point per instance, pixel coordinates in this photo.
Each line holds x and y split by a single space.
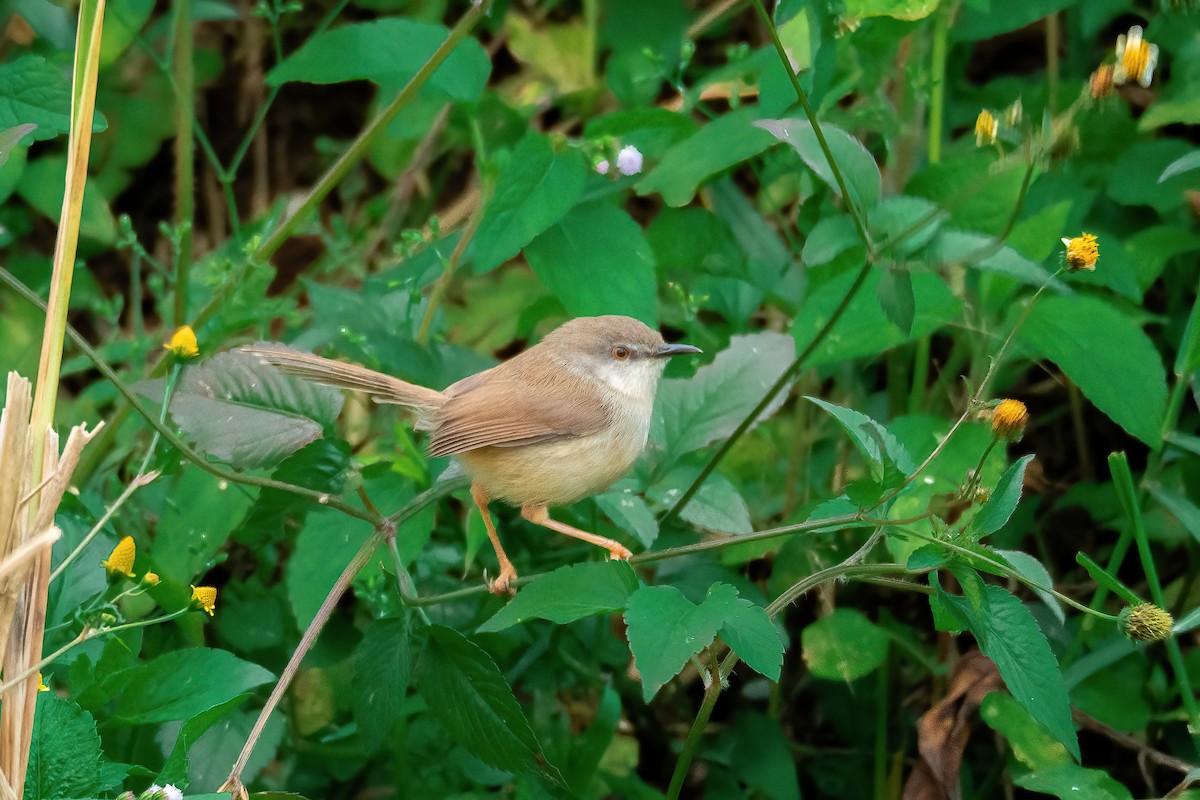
359 147
937 80
443 282
183 70
695 734
139 481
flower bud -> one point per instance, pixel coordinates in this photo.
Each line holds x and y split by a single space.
1145 622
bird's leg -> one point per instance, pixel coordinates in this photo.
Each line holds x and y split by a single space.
503 582
538 514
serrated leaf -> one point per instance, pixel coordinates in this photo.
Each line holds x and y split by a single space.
895 293
630 513
239 411
381 675
843 646
717 506
35 91
471 699
1003 502
1009 635
857 165
1128 384
1033 570
387 51
666 629
596 261
691 413
569 593
175 770
182 683
754 637
875 442
65 758
534 190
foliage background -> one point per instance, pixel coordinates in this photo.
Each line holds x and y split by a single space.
473 223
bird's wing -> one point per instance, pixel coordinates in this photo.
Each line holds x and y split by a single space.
499 413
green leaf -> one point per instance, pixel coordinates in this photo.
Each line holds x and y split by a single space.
65 759
719 145
978 195
1124 377
875 442
1181 165
717 505
11 138
1180 507
863 330
239 411
754 637
630 513
42 185
597 261
199 513
856 163
1071 781
182 683
694 412
963 247
761 757
387 51
381 674
666 629
1033 570
470 698
1009 635
36 92
534 190
895 293
843 646
1106 579
569 593
899 9
904 224
175 770
327 544
1003 502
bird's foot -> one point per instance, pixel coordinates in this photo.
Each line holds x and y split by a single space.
619 552
502 586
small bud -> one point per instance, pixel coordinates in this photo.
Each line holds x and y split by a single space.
182 343
42 687
1145 622
1082 252
629 160
986 129
120 560
602 166
1101 82
150 579
1009 419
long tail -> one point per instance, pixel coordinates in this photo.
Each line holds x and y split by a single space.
382 388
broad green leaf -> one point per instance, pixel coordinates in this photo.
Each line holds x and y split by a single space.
1180 507
123 21
761 757
717 506
694 412
239 411
597 261
381 673
1181 165
1003 502
386 51
199 513
843 646
982 20
175 770
1134 185
1008 634
65 759
863 330
767 256
719 145
857 165
589 747
1121 372
558 52
895 293
1033 570
42 184
900 9
650 130
535 189
901 225
828 239
980 252
323 549
977 195
182 683
875 442
690 240
754 637
470 698
630 513
666 629
1071 781
36 92
567 594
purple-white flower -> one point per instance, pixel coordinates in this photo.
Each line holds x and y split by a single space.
602 166
629 160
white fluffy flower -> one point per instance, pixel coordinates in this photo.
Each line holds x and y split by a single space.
629 160
171 793
602 166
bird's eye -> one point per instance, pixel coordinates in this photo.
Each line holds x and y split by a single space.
621 352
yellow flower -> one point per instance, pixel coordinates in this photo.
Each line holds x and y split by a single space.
42 687
150 578
1145 622
120 560
986 128
1101 82
1009 418
183 343
1136 58
205 597
1082 252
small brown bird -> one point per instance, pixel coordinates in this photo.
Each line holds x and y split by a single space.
560 422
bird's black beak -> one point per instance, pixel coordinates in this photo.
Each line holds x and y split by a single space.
668 350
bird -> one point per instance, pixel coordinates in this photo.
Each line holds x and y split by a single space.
559 422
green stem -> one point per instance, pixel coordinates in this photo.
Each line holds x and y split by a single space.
359 146
937 78
185 153
695 734
438 293
783 381
920 375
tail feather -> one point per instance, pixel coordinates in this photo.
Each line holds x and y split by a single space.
382 388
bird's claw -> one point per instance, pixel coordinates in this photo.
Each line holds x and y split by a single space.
620 552
502 586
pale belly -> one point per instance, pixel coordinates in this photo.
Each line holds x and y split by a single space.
559 472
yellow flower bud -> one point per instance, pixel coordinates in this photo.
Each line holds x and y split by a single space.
1082 252
182 343
42 687
1145 622
205 597
986 128
1136 58
150 579
1009 419
120 560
